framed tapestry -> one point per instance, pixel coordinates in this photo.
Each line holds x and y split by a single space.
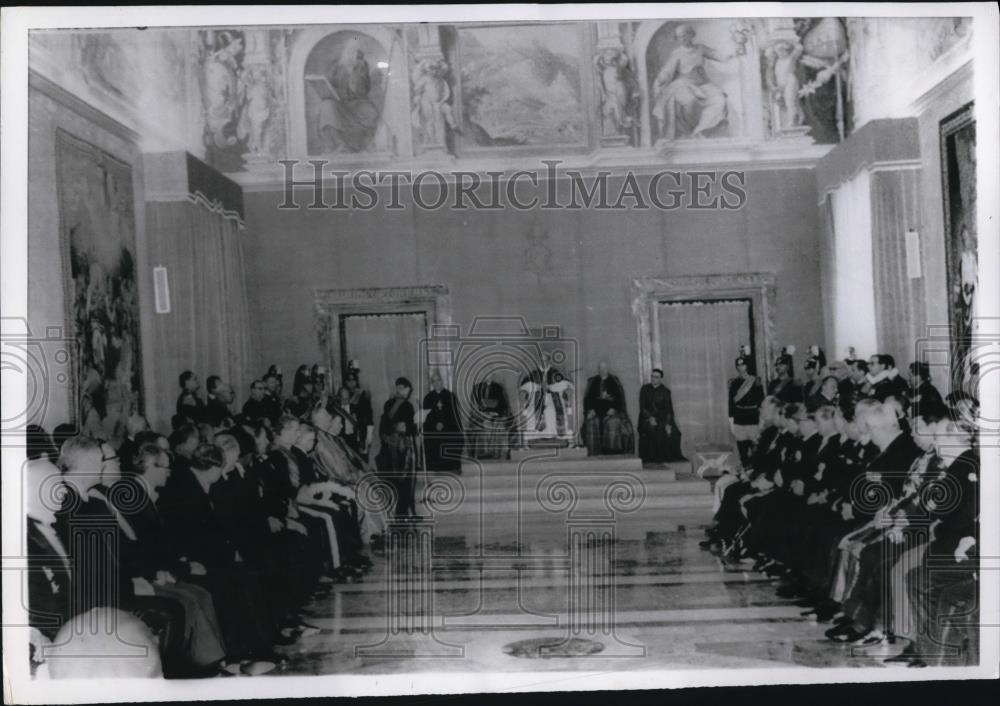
958 166
97 235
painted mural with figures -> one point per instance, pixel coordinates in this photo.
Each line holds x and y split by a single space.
346 77
694 87
243 97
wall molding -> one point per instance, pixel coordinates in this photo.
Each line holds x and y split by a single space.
759 287
50 89
948 71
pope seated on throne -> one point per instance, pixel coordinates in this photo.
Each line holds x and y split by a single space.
548 406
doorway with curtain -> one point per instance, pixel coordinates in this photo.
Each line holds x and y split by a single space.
386 346
698 341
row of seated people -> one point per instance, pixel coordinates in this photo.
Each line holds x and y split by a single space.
868 517
352 404
216 537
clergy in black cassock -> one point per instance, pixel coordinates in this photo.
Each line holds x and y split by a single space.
443 440
659 437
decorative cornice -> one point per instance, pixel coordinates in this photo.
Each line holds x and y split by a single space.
326 297
688 154
942 80
704 283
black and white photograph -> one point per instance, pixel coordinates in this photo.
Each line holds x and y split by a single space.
415 350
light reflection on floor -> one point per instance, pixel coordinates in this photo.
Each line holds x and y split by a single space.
675 607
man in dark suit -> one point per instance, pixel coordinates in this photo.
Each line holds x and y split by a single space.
190 407
48 561
189 514
870 495
134 425
238 499
255 407
98 538
155 557
217 406
883 380
183 441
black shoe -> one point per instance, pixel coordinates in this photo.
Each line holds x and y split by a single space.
907 655
839 633
853 636
806 602
917 662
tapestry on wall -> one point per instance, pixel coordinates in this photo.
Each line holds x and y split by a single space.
958 162
97 232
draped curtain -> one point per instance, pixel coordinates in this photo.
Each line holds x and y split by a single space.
854 321
828 276
208 327
386 346
699 342
899 300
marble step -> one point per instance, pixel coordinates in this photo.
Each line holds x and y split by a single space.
546 461
653 483
512 504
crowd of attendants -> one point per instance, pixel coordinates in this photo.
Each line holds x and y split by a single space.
209 540
863 504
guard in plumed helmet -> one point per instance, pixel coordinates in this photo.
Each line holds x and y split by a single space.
745 396
784 386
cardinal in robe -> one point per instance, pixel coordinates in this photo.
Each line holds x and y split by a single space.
659 437
606 426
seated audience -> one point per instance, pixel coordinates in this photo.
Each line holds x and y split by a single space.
864 522
215 562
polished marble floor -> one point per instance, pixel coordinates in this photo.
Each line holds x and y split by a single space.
656 601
